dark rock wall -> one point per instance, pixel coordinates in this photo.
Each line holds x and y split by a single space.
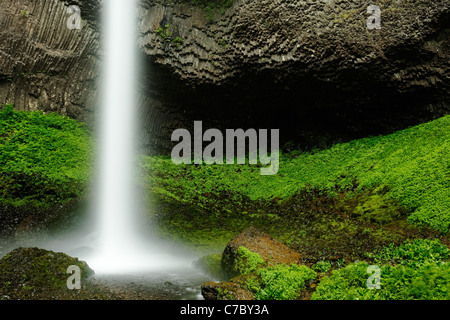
310 68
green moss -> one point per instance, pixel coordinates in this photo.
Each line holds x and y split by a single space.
247 261
410 166
224 294
376 206
32 273
415 270
44 158
280 282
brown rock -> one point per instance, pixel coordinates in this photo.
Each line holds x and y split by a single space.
272 251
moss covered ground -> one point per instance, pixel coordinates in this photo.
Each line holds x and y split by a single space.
44 158
409 169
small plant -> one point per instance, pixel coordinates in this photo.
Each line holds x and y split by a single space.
177 41
340 262
166 34
322 266
24 13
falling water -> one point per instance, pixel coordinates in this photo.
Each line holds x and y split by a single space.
117 124
119 247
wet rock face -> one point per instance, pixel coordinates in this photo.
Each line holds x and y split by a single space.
310 68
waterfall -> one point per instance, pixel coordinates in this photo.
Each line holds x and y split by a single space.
115 201
119 247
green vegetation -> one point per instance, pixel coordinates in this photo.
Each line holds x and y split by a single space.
403 173
167 35
367 195
247 261
415 270
412 253
44 158
281 282
269 282
430 281
212 265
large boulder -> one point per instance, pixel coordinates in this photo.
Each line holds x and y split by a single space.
33 273
243 258
235 259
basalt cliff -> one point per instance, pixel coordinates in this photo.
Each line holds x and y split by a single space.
311 68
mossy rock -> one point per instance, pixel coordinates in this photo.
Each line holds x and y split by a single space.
33 273
252 249
267 271
280 282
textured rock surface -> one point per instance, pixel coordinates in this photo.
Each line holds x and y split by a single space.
43 64
310 68
297 38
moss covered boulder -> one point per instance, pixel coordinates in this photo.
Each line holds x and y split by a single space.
33 273
259 267
236 260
